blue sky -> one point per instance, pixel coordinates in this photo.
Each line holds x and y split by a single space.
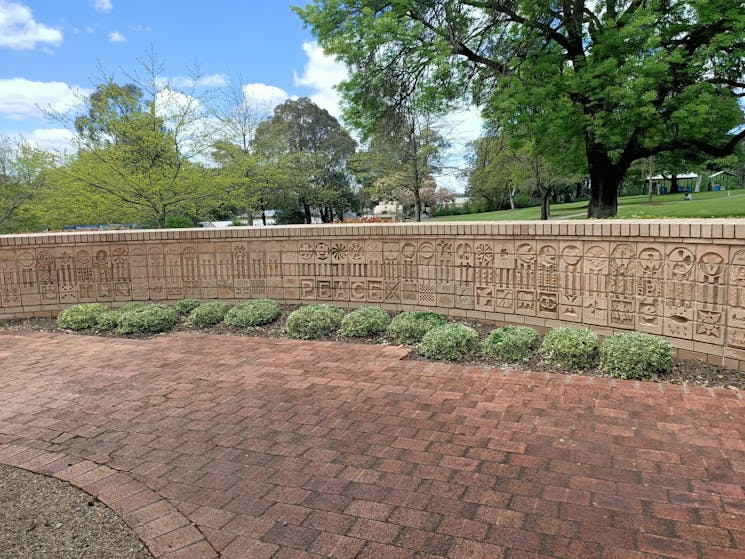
50 49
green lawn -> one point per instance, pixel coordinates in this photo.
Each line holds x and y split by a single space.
704 204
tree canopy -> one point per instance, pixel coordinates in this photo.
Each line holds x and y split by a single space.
311 150
628 78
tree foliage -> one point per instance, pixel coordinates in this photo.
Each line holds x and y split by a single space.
138 145
628 78
405 151
24 177
309 151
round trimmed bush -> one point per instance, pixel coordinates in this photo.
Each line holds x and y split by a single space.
410 327
146 319
367 321
449 342
185 306
635 355
80 317
314 321
571 348
108 320
208 314
252 313
511 343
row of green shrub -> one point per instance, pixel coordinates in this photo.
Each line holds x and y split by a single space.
144 318
630 355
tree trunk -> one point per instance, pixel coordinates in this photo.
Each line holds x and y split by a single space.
674 185
512 198
417 206
263 212
545 204
306 211
605 179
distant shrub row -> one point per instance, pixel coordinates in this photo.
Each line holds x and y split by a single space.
631 355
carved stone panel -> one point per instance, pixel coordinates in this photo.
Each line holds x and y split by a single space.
547 282
679 293
595 299
736 322
10 288
649 290
525 279
621 280
570 282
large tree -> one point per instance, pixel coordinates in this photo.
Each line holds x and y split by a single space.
310 152
405 151
632 77
139 146
244 177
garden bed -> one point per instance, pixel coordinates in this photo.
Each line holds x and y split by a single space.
683 371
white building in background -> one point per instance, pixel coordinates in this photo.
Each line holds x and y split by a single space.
257 222
389 211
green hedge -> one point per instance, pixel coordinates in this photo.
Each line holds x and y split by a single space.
410 327
571 348
449 342
252 313
80 317
511 343
635 355
314 321
146 319
208 314
367 321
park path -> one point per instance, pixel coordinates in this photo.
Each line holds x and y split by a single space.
218 446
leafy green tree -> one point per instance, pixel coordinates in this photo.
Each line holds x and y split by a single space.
404 153
244 176
25 173
308 152
629 78
491 173
138 147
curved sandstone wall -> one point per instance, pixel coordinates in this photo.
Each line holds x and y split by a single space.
684 280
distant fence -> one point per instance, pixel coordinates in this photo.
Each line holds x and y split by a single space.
682 279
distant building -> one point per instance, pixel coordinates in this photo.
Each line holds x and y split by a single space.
693 182
388 211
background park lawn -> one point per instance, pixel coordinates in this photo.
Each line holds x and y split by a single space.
729 203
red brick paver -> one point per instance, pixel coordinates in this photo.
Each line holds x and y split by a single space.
229 447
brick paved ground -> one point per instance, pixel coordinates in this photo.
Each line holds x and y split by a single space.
255 448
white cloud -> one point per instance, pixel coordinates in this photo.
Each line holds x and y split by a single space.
102 5
170 103
139 28
21 98
53 139
213 80
459 127
322 73
19 30
116 37
264 96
